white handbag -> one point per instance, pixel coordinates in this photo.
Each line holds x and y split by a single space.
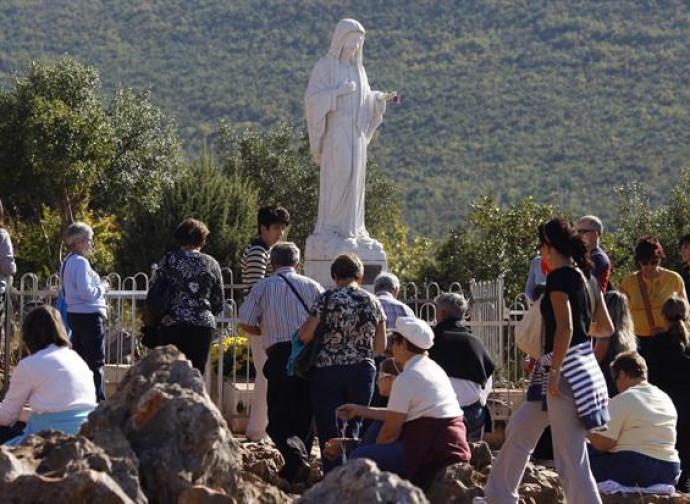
529 333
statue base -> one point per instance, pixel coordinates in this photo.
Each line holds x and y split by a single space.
322 248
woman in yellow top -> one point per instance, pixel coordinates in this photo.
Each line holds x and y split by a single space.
655 283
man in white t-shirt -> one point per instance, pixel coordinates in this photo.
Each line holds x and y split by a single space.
638 447
423 421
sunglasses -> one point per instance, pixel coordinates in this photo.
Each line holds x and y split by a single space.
585 231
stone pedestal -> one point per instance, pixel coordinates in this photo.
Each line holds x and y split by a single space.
321 249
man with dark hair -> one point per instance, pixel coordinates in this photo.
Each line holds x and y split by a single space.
256 261
638 446
256 264
274 309
684 246
591 228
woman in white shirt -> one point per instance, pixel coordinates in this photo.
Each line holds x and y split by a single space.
423 417
53 379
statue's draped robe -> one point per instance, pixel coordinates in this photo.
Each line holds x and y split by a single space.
340 128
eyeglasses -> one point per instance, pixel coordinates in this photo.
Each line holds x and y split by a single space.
585 231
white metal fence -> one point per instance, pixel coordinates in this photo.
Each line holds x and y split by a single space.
490 318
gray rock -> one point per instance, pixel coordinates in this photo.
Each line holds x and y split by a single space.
178 435
252 490
481 455
84 487
456 484
53 459
361 480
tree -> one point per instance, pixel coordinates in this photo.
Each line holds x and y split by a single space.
496 241
54 138
146 158
278 164
227 204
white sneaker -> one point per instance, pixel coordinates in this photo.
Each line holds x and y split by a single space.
480 500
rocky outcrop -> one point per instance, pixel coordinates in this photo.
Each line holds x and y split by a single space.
56 467
540 484
162 414
361 480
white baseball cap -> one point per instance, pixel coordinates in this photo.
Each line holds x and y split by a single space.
415 331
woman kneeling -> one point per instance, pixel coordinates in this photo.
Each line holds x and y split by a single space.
54 380
423 422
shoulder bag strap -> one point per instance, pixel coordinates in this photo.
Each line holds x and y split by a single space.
645 300
292 288
62 274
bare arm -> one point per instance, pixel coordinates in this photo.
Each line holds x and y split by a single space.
392 427
306 332
380 338
250 329
601 348
601 443
349 411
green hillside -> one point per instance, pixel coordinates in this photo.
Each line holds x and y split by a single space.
563 100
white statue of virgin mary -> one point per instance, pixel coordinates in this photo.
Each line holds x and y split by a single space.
342 116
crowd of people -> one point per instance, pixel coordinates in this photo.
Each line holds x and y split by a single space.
612 383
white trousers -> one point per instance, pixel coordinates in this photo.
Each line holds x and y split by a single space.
258 415
569 448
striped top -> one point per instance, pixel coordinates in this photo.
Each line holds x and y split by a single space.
255 263
393 309
275 309
585 378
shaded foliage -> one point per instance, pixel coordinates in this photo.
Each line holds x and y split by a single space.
226 204
561 100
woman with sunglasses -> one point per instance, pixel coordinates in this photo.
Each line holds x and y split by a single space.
567 389
648 288
423 422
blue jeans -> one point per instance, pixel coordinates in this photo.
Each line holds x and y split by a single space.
389 457
88 340
633 469
333 386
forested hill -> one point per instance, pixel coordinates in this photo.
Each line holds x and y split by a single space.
559 99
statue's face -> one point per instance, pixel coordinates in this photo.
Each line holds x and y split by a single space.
351 45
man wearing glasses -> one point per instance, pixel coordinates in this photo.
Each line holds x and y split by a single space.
591 229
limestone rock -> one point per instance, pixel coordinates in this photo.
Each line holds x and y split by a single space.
204 495
85 487
481 455
58 464
178 435
361 480
252 490
456 484
262 459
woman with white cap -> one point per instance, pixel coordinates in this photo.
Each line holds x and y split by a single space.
423 420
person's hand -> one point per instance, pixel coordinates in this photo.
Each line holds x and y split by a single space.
553 384
346 88
348 411
333 448
105 285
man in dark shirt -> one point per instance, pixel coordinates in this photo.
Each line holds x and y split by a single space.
591 229
256 264
684 245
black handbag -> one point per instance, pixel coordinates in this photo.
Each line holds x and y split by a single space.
155 306
305 361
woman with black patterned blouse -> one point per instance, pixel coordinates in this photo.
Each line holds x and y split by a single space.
355 332
196 294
